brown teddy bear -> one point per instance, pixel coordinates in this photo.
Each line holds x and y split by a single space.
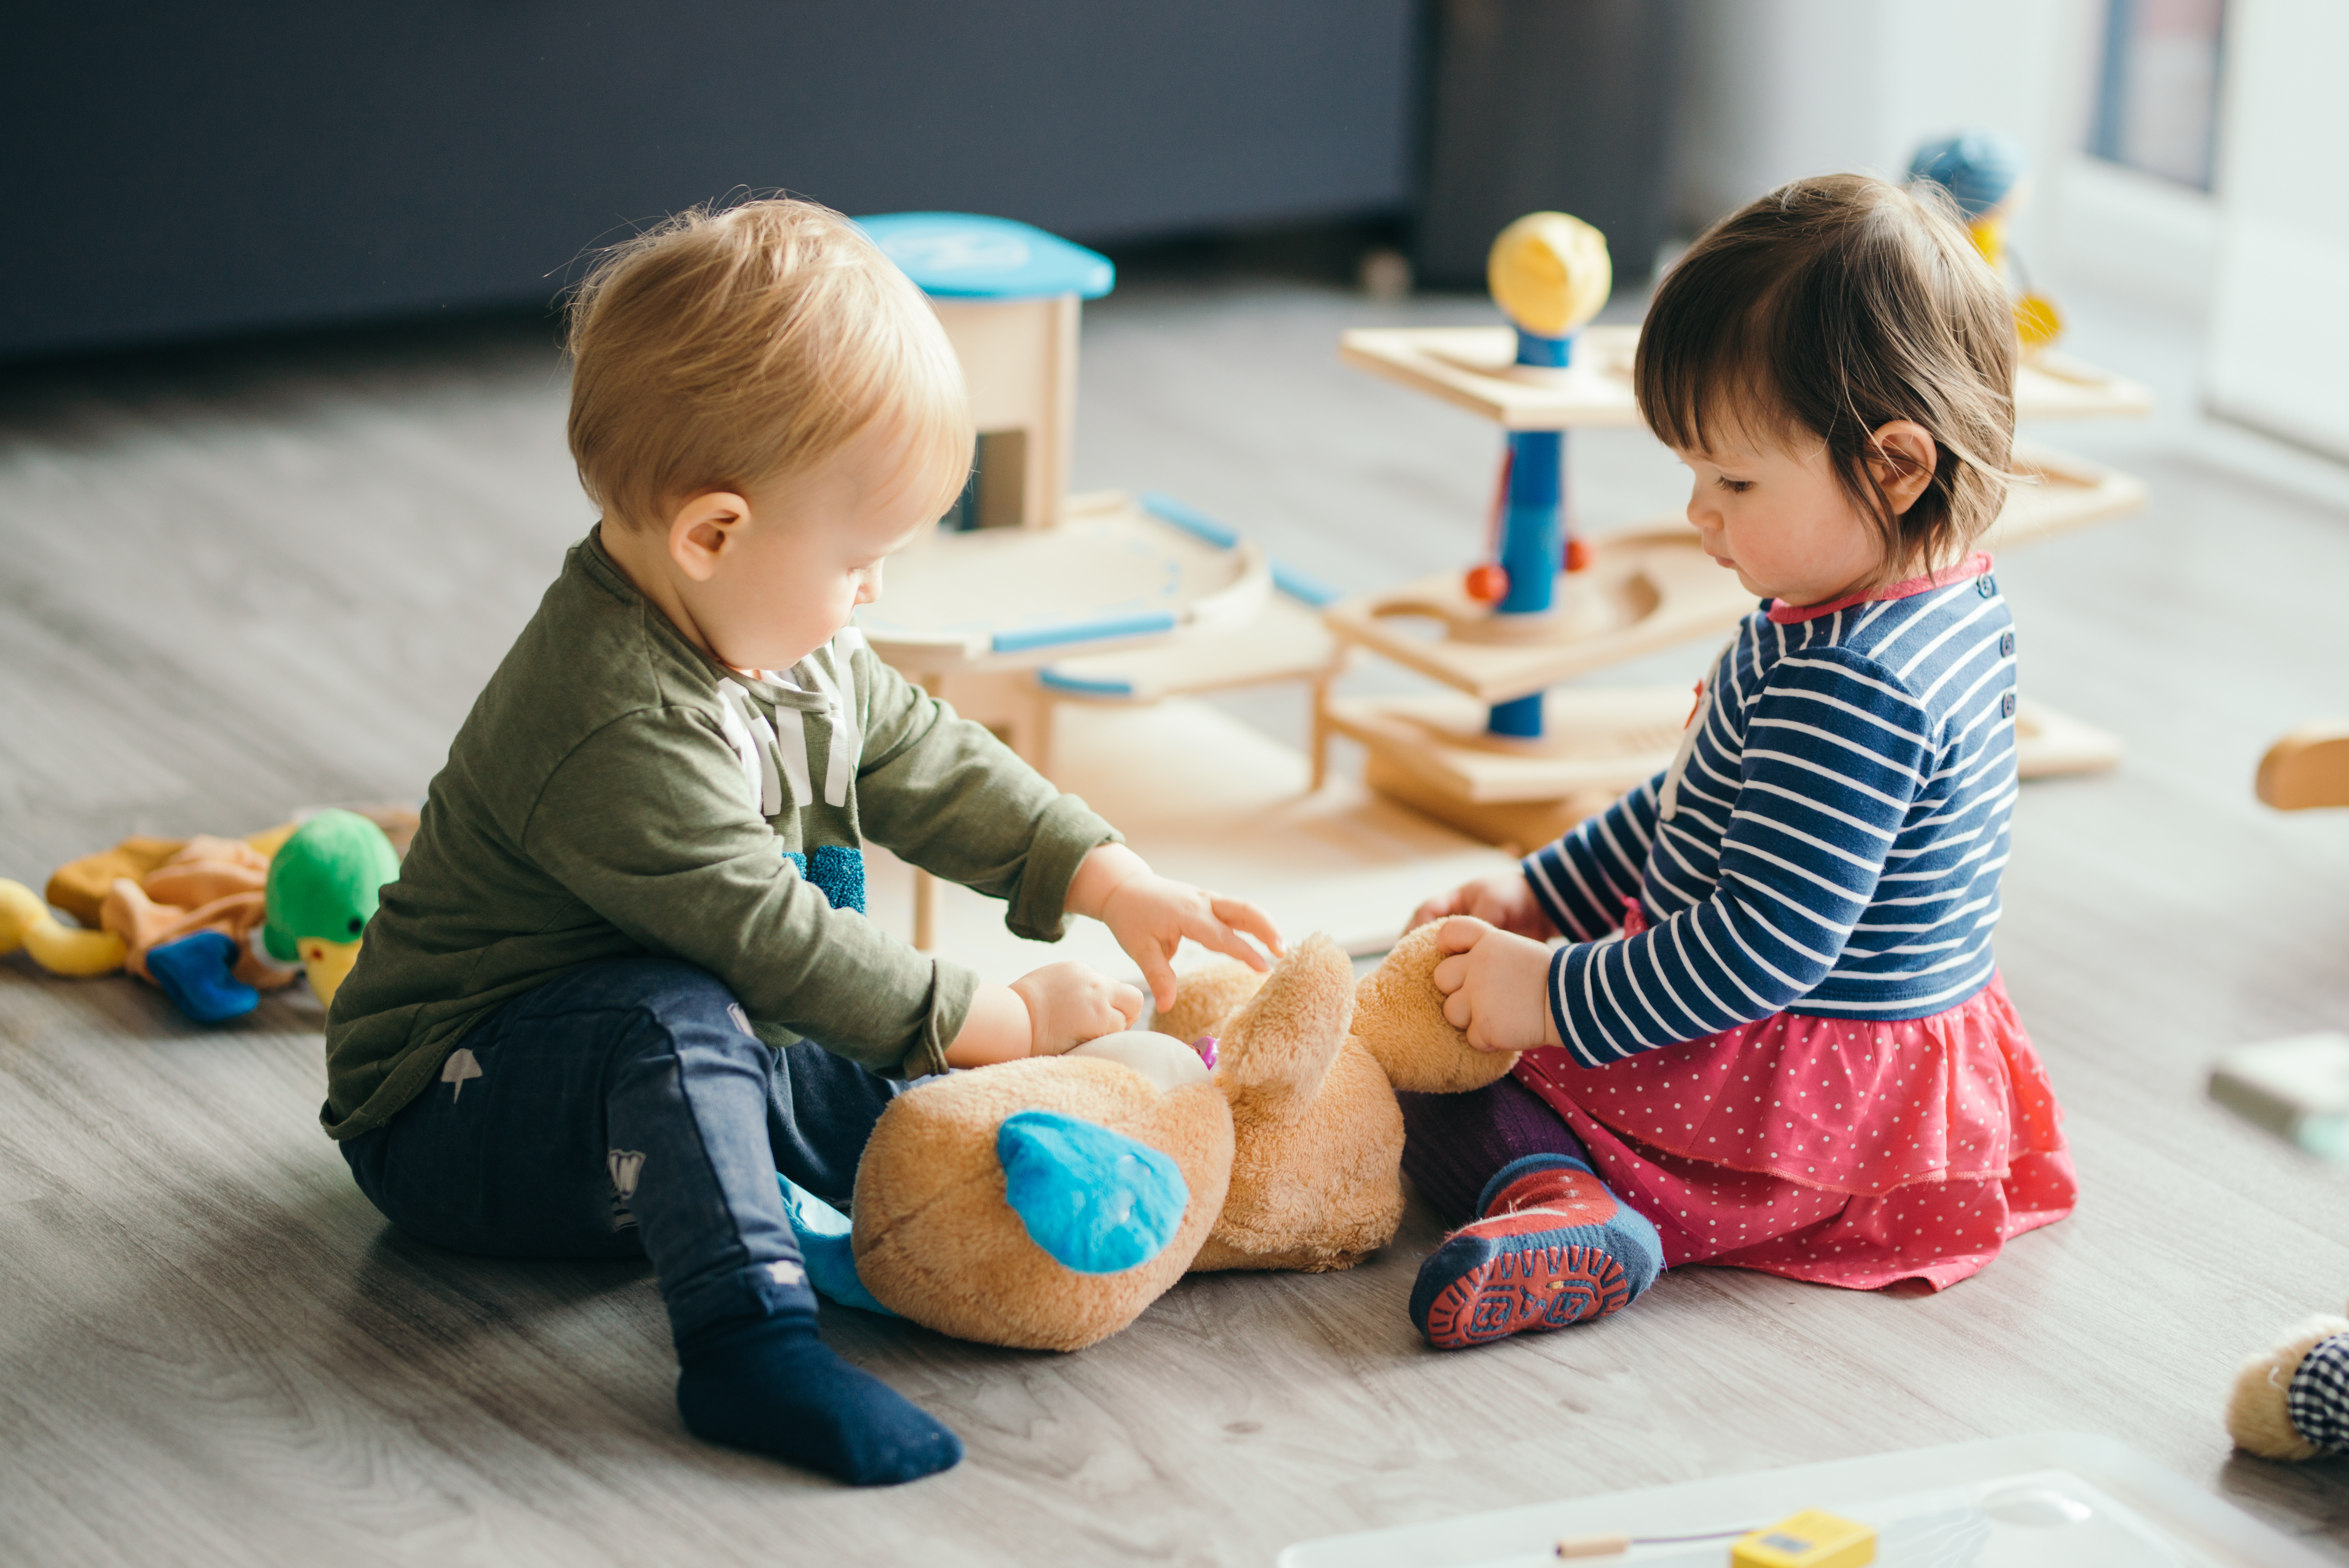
1046 1203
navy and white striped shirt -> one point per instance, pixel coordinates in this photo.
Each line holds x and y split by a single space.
1828 842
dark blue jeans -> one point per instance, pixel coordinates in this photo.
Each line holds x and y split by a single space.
626 1108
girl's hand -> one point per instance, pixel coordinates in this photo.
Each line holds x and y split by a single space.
1505 900
1070 1003
1496 986
1150 915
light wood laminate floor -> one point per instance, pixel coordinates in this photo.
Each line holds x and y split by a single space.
235 581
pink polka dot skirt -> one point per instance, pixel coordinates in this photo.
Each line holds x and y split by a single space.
1836 1150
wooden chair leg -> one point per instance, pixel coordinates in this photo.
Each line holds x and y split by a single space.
2309 767
1320 746
926 911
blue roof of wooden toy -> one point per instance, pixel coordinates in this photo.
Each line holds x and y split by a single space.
963 255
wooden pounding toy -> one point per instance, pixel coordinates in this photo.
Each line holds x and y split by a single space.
1512 760
1558 752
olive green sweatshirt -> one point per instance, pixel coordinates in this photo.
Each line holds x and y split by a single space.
615 792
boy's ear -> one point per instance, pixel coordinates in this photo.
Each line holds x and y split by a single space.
1902 462
702 528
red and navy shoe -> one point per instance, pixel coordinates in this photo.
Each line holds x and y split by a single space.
1554 1247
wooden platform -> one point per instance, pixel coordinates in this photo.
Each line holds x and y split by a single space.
2057 492
1471 367
1434 754
1286 641
1109 575
1651 587
1647 588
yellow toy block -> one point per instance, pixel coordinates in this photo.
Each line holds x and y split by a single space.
1811 1538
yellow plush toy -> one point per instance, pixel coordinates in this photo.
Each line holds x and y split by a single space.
1046 1203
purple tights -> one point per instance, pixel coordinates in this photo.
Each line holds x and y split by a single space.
1452 1144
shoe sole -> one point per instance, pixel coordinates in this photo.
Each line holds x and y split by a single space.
1526 1289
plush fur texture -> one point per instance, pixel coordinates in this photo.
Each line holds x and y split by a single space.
2259 1416
935 1241
1293 1150
1317 1136
1208 996
1398 1018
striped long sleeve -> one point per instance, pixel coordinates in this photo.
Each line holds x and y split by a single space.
1829 843
1584 879
1836 752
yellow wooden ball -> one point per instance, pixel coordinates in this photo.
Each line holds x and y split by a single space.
1549 272
2038 322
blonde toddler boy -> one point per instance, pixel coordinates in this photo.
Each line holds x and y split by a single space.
625 977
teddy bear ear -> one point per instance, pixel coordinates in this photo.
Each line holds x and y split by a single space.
1398 1018
1099 1202
1274 1052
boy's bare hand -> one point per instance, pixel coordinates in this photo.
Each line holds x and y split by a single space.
1496 986
1505 900
1070 1003
1150 915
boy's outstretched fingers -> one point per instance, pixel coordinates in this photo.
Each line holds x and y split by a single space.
1235 916
1150 916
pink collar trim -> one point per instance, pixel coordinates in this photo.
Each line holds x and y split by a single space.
1973 565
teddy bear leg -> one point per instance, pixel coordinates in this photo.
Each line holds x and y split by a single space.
2291 1401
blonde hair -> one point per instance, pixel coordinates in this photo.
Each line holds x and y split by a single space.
1833 306
728 348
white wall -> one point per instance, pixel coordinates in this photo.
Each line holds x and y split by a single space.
1774 90
2279 344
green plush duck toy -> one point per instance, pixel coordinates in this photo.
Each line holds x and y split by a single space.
323 884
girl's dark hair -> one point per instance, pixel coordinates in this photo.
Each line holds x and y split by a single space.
1832 306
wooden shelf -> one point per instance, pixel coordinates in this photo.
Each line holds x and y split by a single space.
1651 587
1430 753
1286 641
2070 492
1602 739
1110 575
1646 587
1471 367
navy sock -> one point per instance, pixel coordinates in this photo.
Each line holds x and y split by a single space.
773 1387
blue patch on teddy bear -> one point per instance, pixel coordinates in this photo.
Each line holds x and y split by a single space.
1097 1200
835 870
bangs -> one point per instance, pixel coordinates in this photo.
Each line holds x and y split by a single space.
1705 369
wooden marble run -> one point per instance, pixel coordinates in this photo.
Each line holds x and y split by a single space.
1028 598
1516 757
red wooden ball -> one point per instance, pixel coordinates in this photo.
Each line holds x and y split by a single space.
1487 584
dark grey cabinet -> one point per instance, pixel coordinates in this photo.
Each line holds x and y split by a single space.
190 169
